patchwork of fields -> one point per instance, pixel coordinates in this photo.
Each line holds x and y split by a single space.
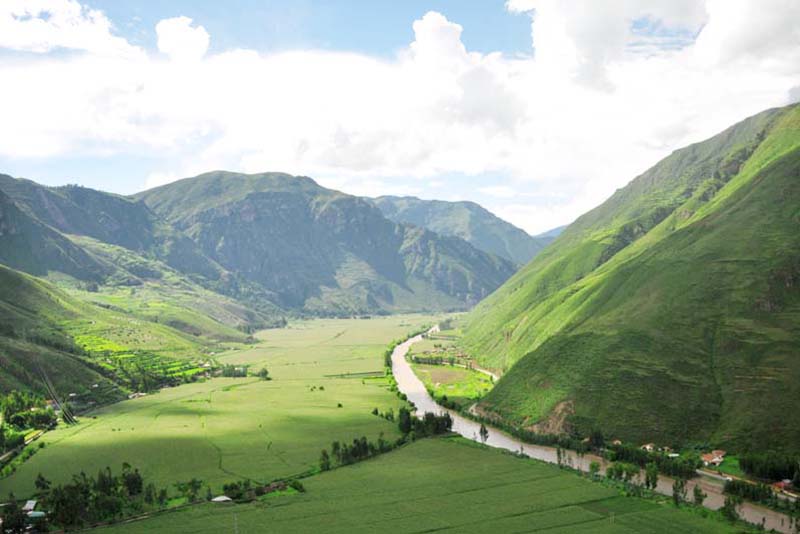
227 429
443 485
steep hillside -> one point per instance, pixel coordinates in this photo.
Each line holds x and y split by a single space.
322 250
29 245
77 338
109 218
466 220
672 311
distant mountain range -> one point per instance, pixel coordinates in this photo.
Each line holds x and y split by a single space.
272 240
671 312
128 285
469 221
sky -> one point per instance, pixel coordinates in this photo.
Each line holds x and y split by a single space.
537 109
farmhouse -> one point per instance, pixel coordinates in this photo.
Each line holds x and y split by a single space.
714 458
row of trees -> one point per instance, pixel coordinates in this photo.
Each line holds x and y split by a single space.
361 448
429 425
88 500
10 439
682 467
19 401
771 466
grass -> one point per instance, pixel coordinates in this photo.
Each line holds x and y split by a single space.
459 385
683 283
227 429
730 466
448 485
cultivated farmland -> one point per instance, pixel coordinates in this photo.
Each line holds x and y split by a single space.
226 429
443 484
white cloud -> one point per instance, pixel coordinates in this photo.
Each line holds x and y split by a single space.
180 41
592 107
44 25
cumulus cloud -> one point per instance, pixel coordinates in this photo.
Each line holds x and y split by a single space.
606 90
44 25
180 41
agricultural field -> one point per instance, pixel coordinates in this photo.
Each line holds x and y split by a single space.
442 484
327 378
461 386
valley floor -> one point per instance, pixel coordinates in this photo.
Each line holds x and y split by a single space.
328 376
443 485
228 429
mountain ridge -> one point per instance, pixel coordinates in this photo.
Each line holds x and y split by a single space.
672 286
469 221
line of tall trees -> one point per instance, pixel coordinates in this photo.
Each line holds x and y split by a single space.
771 466
361 448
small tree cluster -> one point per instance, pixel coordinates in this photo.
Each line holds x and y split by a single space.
622 471
88 500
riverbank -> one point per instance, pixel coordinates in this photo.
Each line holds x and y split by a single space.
413 388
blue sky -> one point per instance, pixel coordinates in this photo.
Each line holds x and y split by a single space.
439 99
379 27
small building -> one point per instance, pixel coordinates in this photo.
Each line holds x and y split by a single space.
222 499
719 453
617 442
649 447
29 506
710 459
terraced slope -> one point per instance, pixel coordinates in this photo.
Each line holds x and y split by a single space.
671 312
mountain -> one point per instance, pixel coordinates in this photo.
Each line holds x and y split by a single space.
670 313
469 221
113 219
30 245
323 251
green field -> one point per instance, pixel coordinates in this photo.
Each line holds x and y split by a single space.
227 429
442 484
462 386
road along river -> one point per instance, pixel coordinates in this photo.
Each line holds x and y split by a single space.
414 389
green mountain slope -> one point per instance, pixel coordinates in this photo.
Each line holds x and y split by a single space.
111 219
321 250
467 220
78 339
671 312
29 245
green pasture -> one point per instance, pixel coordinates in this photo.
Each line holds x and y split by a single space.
443 485
460 385
226 429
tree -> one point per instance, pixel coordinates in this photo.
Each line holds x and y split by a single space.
651 475
484 432
404 420
324 461
679 491
162 497
13 516
133 482
698 495
729 510
263 374
594 469
796 478
596 439
42 486
150 494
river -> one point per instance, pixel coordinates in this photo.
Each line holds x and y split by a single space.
414 389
